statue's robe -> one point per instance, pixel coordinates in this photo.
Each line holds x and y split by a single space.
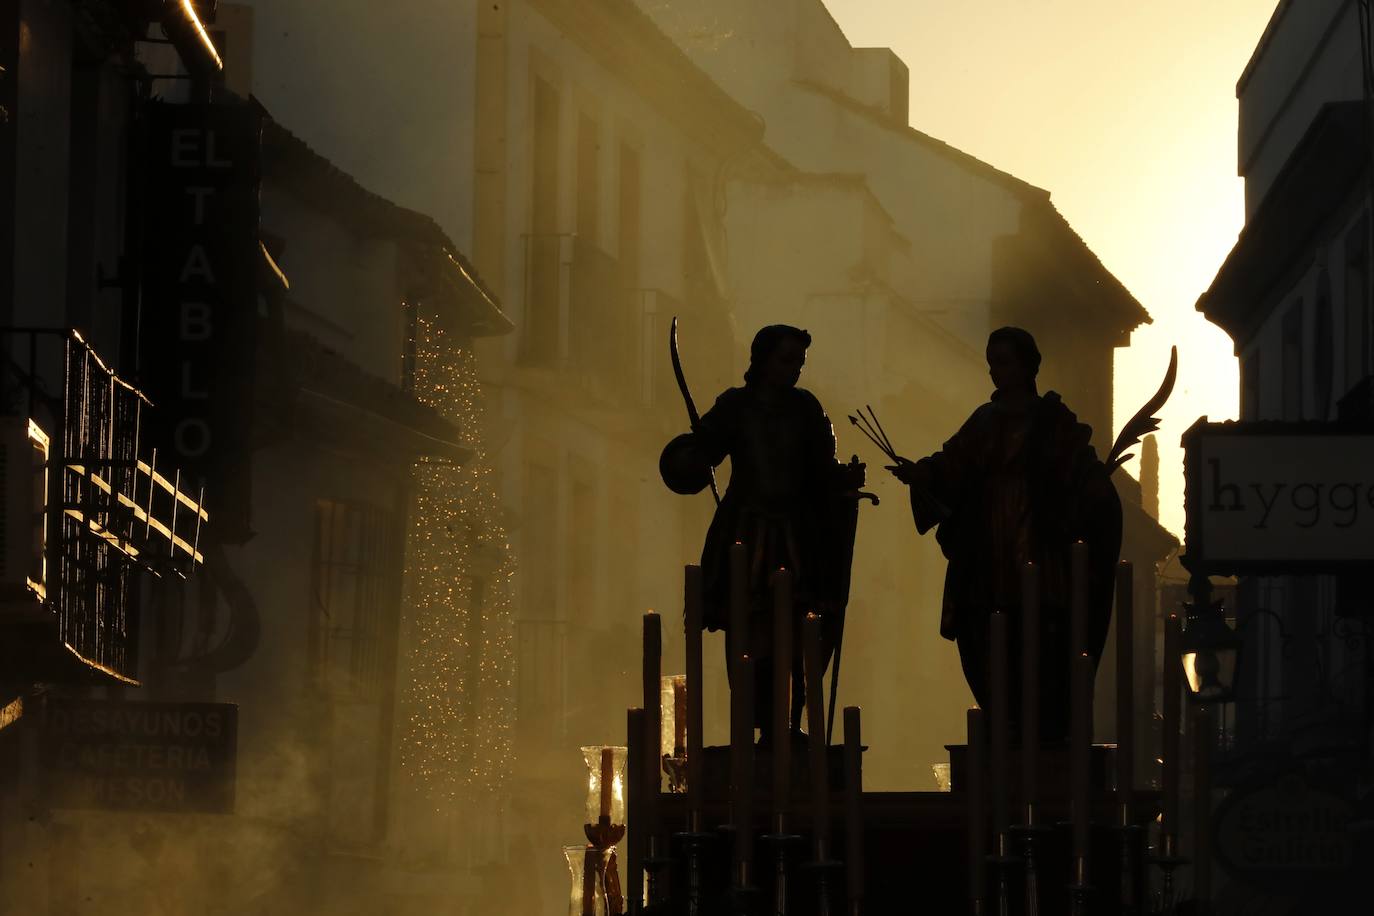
1013 486
786 502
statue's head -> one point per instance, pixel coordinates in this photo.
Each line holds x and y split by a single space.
776 356
1013 359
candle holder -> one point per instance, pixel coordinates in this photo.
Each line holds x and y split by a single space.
1002 860
782 842
1080 891
1031 834
1128 835
1167 861
822 882
605 826
692 845
586 865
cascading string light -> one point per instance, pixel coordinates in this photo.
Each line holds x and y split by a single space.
456 736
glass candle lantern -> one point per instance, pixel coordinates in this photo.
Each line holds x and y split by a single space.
672 701
578 858
605 784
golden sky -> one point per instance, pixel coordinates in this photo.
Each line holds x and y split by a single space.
1126 112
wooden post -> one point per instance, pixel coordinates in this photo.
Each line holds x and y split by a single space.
1030 688
738 641
815 723
692 595
853 810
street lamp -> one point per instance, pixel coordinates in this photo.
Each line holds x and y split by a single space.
1209 647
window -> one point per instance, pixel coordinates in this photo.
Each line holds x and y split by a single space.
1357 316
353 590
1323 355
1292 363
629 215
588 178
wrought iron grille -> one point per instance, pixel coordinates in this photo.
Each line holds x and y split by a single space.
110 511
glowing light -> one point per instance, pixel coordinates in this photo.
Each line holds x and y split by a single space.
458 672
194 19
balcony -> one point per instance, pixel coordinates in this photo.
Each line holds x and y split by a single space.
84 511
578 316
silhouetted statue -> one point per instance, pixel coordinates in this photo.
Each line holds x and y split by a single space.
789 502
1018 482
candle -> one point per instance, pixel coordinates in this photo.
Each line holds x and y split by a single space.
1078 600
1030 686
607 780
782 695
692 596
737 640
679 716
815 723
742 773
635 749
1125 688
1001 722
1173 695
853 811
974 767
1080 760
650 763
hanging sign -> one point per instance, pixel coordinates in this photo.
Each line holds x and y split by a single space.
1278 498
140 756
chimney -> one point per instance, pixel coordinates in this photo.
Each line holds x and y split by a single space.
1149 476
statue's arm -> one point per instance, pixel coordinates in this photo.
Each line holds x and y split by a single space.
714 433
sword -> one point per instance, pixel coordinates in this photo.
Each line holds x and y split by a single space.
693 418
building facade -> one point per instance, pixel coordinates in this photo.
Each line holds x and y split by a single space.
1294 296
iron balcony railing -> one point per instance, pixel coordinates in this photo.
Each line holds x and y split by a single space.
108 510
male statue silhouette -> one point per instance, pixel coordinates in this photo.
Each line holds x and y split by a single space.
1019 482
789 502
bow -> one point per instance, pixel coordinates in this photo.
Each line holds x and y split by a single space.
692 417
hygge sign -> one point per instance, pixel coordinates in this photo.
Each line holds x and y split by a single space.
1279 497
141 756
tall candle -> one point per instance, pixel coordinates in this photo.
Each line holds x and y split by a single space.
1001 725
651 781
607 780
1173 696
692 616
853 810
782 695
1081 754
742 780
815 723
1030 687
1078 600
634 795
738 638
975 765
1125 688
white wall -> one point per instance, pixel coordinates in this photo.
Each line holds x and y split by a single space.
1311 57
